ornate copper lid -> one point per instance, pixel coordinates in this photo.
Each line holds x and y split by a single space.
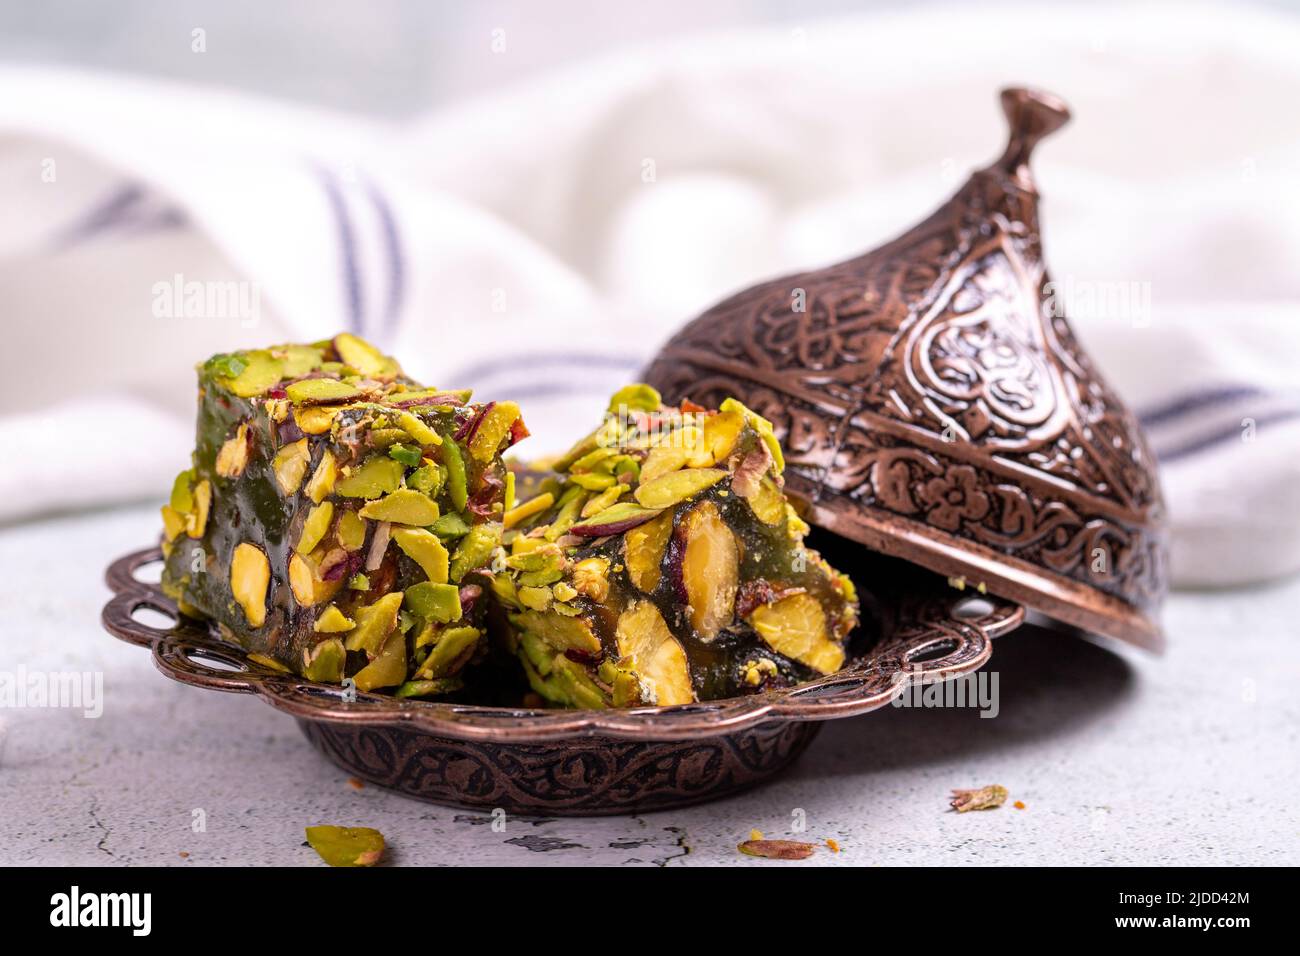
936 405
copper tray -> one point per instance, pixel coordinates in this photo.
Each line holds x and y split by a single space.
578 762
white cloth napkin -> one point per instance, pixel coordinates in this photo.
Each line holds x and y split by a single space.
542 242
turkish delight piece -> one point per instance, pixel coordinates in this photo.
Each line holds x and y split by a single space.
335 515
659 562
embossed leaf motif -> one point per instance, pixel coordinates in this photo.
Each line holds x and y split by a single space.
891 481
953 497
989 361
1017 510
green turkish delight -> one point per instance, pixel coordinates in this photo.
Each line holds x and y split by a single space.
659 562
337 514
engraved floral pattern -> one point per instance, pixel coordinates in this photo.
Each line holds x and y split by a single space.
954 497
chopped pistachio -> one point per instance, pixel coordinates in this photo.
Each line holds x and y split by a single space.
984 798
314 528
309 589
457 481
508 496
182 497
434 602
260 372
424 548
290 465
196 522
378 475
384 438
298 360
570 505
409 455
533 579
450 526
532 506
543 556
760 425
333 621
536 598
606 499
351 531
320 391
670 489
778 849
268 662
325 661
718 438
315 419
364 357
795 627
615 519
418 429
347 846
403 506
452 648
656 656
423 397
224 365
429 688
492 430
592 481
388 668
522 544
359 582
593 459
643 550
427 478
557 678
250 575
755 672
627 466
475 549
662 460
638 397
562 633
767 502
232 459
321 483
504 590
591 578
374 623
173 522
709 570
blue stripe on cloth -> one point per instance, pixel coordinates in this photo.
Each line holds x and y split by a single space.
1224 435
347 250
396 264
1177 408
126 209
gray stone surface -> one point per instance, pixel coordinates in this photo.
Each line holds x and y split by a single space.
1118 757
